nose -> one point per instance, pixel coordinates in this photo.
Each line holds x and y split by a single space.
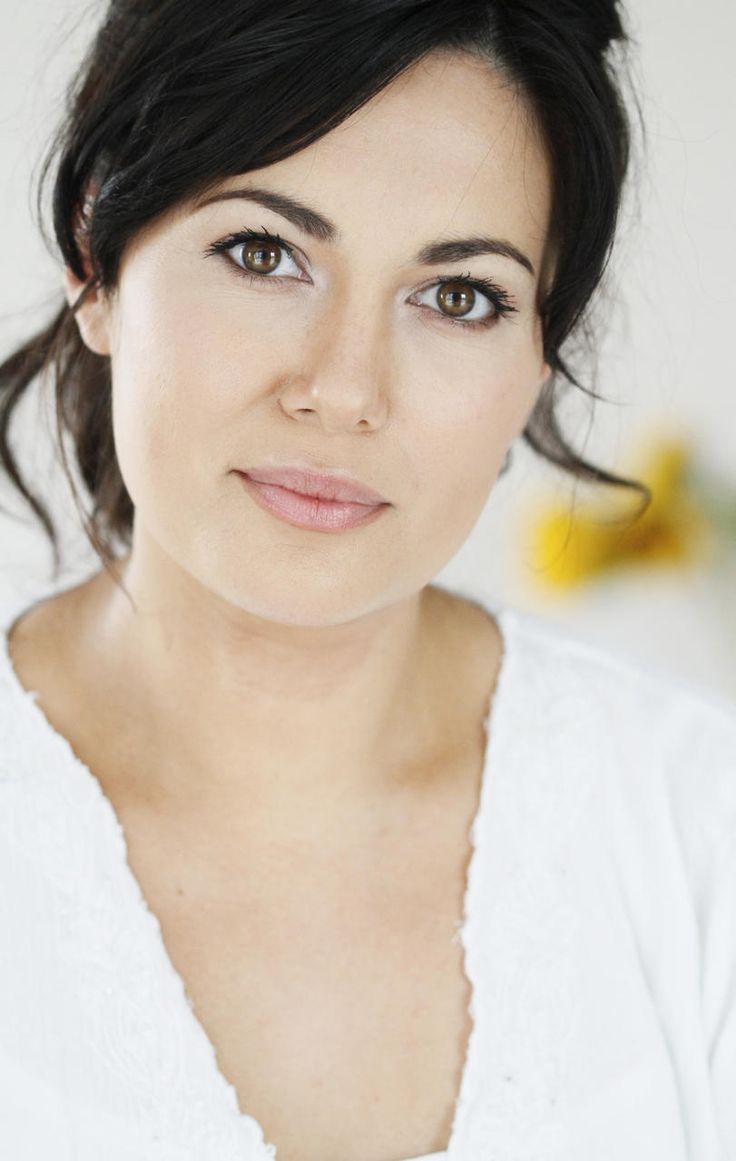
342 380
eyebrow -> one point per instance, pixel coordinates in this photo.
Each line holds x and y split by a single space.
317 226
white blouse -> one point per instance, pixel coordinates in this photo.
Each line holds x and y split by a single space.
599 936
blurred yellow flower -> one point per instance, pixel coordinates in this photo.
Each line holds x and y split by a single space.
570 546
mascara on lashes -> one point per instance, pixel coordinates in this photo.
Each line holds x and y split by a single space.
496 295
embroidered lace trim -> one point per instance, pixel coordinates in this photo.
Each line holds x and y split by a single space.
519 930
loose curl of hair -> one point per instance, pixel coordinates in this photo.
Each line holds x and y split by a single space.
173 97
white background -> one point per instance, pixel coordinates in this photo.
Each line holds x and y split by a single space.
667 357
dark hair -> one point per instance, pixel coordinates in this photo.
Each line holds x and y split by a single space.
149 123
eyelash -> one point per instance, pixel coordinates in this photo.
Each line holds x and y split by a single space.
498 297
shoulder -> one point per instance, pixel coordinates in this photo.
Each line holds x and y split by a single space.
660 737
28 655
639 688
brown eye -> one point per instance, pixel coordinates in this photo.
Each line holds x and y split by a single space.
457 297
261 257
461 295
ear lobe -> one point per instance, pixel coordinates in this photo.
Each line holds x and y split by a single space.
92 317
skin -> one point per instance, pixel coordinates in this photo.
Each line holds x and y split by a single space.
286 721
314 654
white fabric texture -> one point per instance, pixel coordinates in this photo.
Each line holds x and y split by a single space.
599 936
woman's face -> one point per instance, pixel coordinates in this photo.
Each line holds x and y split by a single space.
339 353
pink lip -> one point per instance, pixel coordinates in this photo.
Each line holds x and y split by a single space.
310 512
335 486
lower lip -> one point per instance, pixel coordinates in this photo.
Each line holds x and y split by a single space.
309 511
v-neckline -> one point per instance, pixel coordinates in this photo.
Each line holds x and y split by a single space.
246 1127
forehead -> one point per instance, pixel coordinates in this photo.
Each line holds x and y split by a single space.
447 145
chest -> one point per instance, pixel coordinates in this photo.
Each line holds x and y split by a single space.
330 984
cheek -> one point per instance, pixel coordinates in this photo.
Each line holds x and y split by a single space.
468 416
471 407
180 362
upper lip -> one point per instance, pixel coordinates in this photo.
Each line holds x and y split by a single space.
333 485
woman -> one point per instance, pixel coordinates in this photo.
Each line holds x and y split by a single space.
303 856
